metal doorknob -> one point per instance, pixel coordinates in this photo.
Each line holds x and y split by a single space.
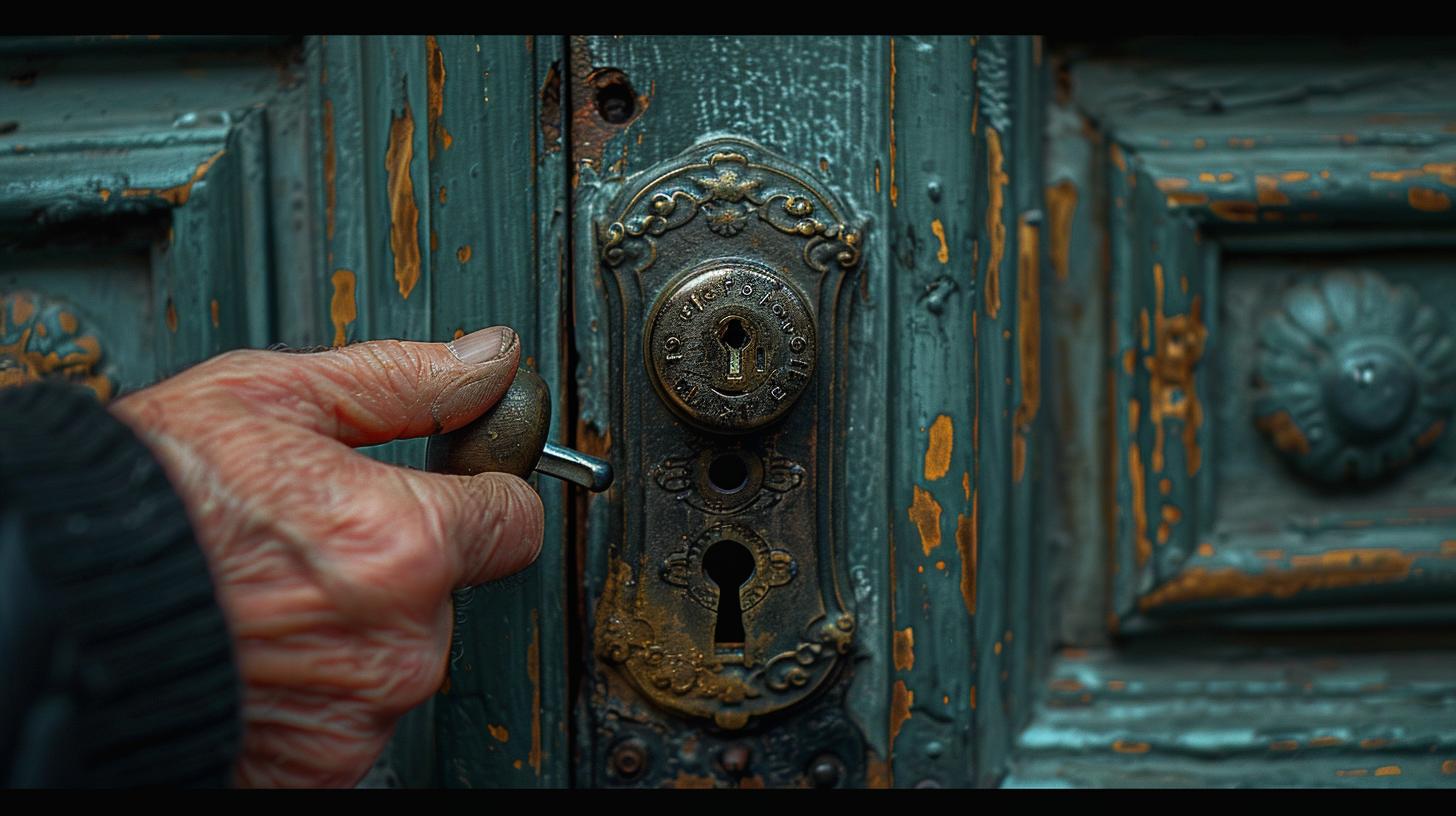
511 438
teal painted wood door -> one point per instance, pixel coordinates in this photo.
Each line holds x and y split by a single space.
1100 520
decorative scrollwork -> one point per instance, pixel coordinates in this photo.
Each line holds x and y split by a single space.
1357 376
729 188
768 476
42 338
771 567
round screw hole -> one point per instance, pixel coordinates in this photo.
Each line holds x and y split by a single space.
728 473
616 103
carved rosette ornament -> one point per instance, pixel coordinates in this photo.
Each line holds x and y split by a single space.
1356 376
43 338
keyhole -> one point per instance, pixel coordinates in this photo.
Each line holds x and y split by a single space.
728 564
735 336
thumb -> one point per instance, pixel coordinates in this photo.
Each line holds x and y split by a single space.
493 522
377 391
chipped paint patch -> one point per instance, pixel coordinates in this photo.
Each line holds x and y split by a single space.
435 94
1126 747
342 308
171 316
965 536
1139 503
1333 569
404 213
904 649
1061 202
1285 434
178 195
1234 210
938 449
901 698
499 732
1173 392
995 223
463 254
894 188
925 513
1427 200
1388 770
1266 190
212 309
1028 335
942 254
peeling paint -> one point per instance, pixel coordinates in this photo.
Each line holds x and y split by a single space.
179 194
435 95
995 225
499 732
1427 200
942 254
894 188
904 649
901 698
966 546
342 308
171 316
1061 201
1028 335
1126 747
463 254
213 309
1284 432
1332 569
404 213
938 449
925 514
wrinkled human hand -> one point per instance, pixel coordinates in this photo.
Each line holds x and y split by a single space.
332 569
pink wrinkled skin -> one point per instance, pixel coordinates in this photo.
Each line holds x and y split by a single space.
334 570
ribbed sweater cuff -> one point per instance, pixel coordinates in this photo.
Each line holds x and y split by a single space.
117 662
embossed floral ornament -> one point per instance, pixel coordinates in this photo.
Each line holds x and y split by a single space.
42 338
1355 376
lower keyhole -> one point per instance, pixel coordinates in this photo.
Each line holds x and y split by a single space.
728 564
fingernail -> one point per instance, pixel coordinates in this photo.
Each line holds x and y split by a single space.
483 346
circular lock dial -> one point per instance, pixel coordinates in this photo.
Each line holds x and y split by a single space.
731 346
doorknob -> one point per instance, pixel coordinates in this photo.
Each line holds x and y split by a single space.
726 599
511 438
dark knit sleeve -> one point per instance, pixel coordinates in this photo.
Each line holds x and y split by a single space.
116 667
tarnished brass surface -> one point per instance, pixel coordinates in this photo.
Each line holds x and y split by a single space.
730 346
729 275
506 439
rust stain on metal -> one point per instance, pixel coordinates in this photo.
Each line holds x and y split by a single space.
894 188
213 313
1028 335
877 772
1333 569
995 225
171 316
1061 201
901 698
1173 392
342 308
404 213
938 449
1126 747
463 254
435 96
179 194
330 169
904 649
533 674
1285 434
500 732
966 546
942 254
1235 210
590 131
925 513
1427 200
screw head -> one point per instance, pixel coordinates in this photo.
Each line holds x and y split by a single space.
629 758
